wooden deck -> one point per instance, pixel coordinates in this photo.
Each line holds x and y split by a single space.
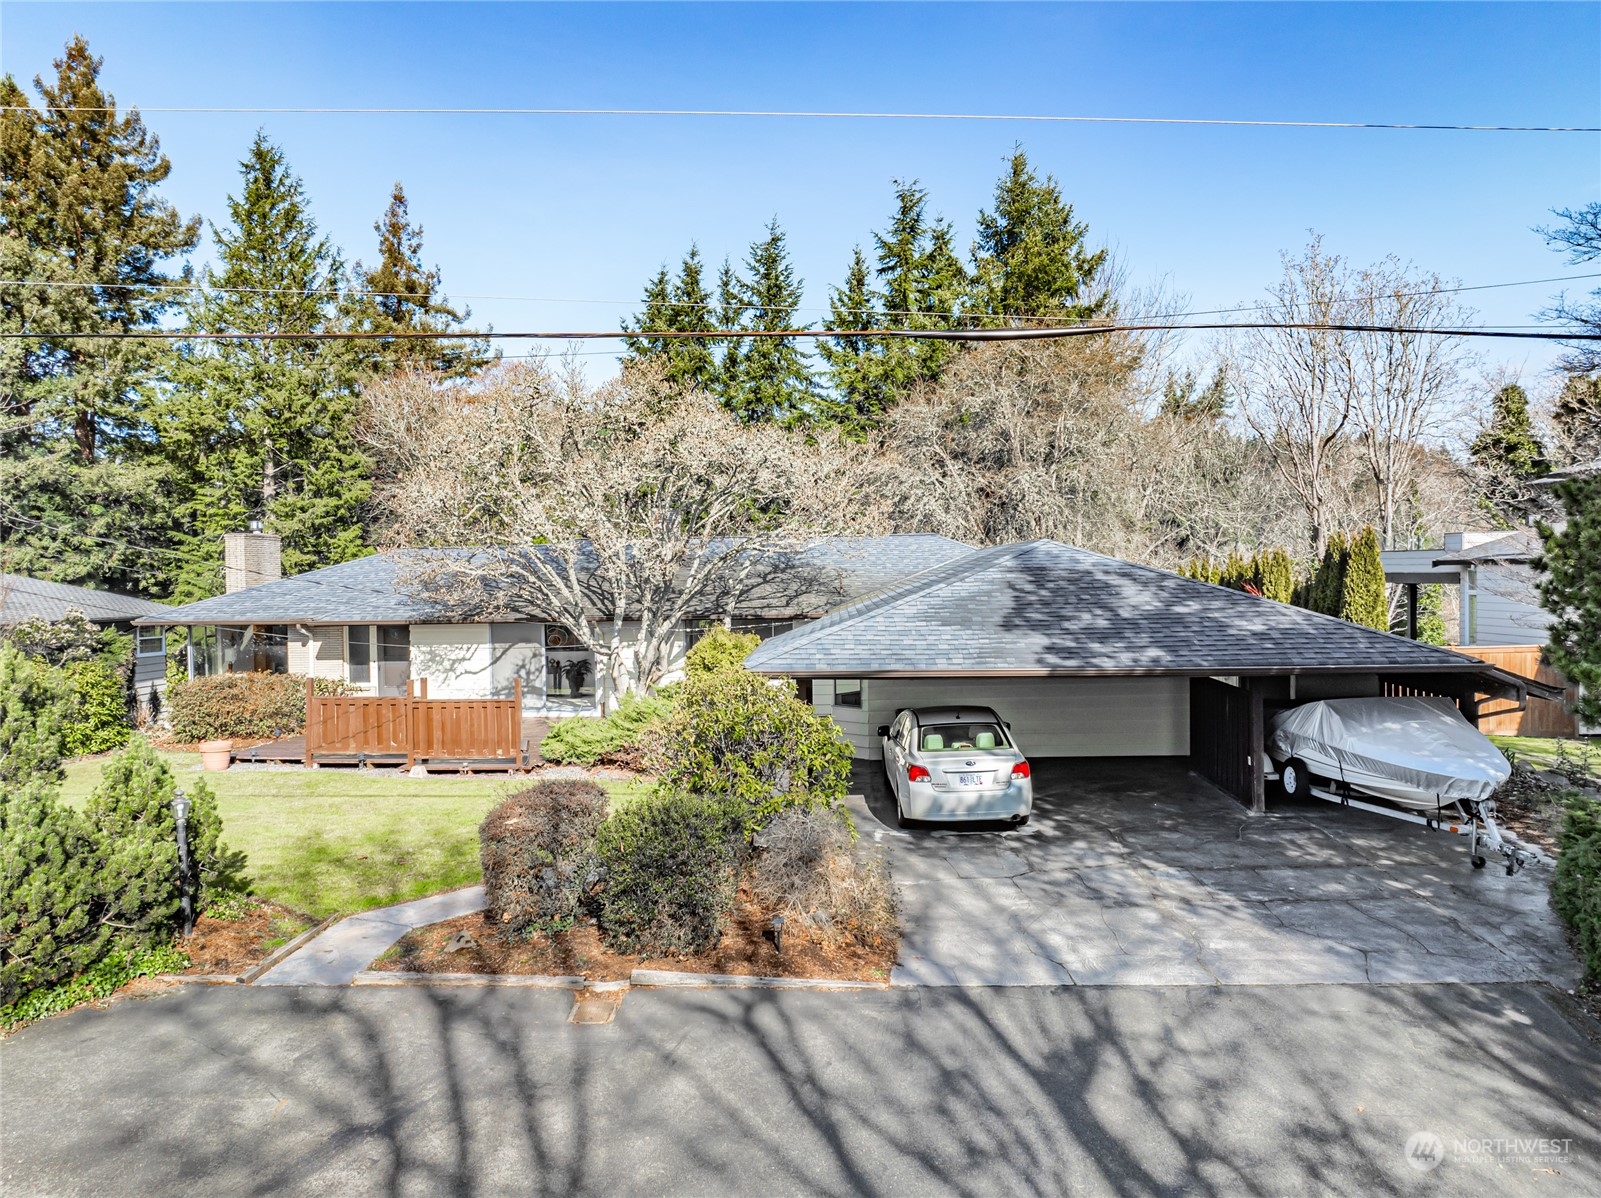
291 750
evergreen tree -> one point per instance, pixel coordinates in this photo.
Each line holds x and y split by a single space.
677 306
1185 396
1570 590
1363 599
1325 590
1507 446
35 704
1030 262
264 429
80 206
854 360
1577 417
400 295
771 379
920 284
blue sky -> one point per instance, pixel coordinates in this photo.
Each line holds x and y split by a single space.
585 208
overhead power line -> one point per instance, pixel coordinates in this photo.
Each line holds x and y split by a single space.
355 293
1001 334
1036 118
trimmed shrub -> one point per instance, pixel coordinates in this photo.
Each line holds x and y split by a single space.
538 855
738 735
50 926
99 719
719 649
669 862
35 705
622 738
809 866
1576 886
228 706
136 845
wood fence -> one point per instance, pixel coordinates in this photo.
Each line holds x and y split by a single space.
463 733
1544 717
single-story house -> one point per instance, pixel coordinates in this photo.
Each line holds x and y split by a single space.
1090 656
368 622
23 599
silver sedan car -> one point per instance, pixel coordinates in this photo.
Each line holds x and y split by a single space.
956 763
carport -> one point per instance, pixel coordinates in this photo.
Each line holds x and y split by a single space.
1090 656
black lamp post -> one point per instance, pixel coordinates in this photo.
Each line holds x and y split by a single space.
186 892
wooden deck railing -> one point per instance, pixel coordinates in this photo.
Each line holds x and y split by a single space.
468 733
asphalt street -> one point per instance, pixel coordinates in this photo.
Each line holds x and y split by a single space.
946 1090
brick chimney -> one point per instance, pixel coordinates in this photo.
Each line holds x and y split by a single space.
251 558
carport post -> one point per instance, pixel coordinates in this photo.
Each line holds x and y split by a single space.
1258 752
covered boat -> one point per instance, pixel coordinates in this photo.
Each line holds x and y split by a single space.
1416 752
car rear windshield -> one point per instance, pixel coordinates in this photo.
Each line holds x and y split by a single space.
960 738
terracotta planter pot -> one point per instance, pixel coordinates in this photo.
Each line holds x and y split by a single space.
214 754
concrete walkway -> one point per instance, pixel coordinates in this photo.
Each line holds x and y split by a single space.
338 954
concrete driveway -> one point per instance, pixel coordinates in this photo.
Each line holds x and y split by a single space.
1138 872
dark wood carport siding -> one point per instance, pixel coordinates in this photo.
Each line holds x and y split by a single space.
1225 737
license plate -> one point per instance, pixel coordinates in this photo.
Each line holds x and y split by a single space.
971 779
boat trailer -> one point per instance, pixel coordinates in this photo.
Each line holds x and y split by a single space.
1475 819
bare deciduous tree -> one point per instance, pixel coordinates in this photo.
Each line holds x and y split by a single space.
1296 386
621 511
1407 386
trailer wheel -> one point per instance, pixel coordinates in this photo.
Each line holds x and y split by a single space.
1296 781
1478 863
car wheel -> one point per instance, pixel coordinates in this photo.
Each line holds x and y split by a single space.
1296 781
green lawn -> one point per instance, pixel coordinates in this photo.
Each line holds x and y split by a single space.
335 840
1545 752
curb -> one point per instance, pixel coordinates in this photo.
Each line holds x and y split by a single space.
284 951
395 977
667 978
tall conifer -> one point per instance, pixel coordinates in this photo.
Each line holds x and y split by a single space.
264 429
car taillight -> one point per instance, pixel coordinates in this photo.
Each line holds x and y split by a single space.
917 773
1020 770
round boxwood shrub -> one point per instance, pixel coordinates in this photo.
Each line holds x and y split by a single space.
538 853
669 862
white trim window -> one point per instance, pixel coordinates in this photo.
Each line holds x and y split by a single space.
150 642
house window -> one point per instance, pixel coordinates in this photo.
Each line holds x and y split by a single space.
847 692
152 642
358 654
569 668
394 658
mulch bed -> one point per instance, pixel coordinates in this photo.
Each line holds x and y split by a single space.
745 948
232 946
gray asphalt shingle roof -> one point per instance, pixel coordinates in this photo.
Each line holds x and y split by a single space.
376 590
23 598
1046 608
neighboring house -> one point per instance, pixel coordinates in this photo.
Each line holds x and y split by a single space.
1494 579
23 599
366 622
1089 656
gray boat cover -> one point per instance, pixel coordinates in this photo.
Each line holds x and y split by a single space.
1420 744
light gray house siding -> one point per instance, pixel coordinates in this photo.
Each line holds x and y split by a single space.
1050 717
